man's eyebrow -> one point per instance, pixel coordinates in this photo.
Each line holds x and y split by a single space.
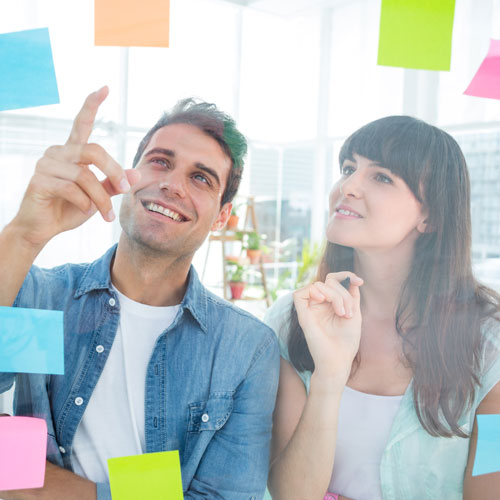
161 151
209 171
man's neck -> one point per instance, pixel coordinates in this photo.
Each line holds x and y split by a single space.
149 278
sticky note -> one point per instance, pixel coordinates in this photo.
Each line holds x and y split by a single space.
486 82
23 448
27 68
416 34
31 341
132 23
488 445
155 476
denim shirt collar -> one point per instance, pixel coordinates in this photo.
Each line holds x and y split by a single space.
98 277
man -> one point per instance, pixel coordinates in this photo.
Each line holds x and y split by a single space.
153 361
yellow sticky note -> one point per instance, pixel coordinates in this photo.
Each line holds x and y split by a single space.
132 23
416 34
155 476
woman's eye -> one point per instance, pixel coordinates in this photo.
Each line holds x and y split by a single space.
347 170
383 178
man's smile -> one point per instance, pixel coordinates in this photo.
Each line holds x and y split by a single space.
164 211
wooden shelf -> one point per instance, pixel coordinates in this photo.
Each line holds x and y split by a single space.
227 235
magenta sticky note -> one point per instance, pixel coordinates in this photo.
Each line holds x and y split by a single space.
23 448
486 82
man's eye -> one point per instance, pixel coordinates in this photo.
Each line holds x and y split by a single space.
346 170
383 178
160 161
201 178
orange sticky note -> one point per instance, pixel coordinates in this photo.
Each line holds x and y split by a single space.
132 23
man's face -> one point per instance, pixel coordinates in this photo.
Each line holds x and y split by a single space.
178 199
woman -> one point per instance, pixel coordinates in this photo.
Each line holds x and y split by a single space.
382 374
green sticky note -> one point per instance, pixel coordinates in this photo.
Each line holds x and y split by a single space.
416 34
155 476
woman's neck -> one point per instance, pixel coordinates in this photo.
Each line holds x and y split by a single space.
384 274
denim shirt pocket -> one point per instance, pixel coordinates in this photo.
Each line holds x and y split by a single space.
205 418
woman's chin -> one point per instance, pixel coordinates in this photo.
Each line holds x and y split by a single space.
337 236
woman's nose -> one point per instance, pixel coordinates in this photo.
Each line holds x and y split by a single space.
352 186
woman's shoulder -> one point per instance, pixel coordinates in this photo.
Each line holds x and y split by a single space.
278 318
490 355
278 315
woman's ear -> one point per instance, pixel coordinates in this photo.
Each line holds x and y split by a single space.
424 227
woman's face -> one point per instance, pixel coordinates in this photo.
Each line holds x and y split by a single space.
372 208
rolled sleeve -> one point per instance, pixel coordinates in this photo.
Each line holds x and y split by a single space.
103 491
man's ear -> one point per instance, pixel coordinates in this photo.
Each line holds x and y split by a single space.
221 220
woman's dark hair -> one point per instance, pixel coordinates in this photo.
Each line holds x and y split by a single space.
442 306
216 124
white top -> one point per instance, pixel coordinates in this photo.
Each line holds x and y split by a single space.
365 422
113 421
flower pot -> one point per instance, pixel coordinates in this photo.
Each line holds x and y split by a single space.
237 288
253 255
232 222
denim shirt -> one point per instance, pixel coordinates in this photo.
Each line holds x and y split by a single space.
414 463
214 361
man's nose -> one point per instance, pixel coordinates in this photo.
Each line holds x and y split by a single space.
174 183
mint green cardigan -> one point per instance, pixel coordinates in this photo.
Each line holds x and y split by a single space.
416 465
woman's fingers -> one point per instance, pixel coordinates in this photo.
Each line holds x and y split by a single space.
340 301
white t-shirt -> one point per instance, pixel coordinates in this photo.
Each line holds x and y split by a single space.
113 421
365 421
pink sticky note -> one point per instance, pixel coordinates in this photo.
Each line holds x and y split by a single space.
23 448
486 82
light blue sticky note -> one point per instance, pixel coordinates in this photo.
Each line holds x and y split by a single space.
27 70
31 341
488 445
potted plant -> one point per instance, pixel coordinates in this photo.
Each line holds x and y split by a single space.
236 281
252 245
232 222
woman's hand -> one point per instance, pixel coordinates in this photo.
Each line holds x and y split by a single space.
330 317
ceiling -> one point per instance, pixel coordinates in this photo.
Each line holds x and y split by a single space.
286 8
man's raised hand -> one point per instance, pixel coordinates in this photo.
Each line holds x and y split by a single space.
63 192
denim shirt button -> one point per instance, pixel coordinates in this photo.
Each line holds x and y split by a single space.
112 302
62 449
78 401
99 349
205 417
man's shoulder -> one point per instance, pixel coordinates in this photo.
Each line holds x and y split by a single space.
44 287
227 313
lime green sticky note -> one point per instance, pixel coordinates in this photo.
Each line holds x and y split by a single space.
416 34
155 476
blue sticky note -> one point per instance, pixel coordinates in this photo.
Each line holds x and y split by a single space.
488 445
27 70
31 341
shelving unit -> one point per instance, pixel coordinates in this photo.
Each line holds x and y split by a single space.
225 236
